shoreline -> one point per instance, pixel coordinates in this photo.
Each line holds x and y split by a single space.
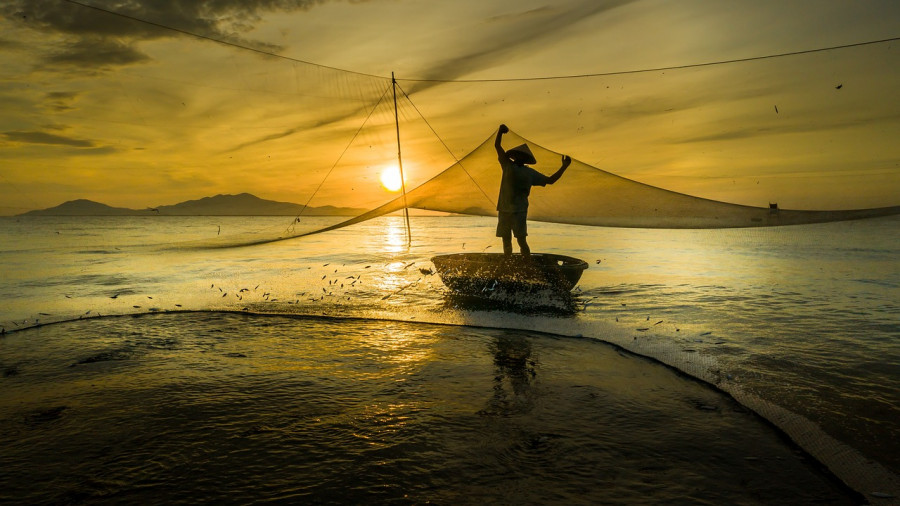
813 438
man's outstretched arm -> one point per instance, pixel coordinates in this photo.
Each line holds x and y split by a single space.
500 151
558 174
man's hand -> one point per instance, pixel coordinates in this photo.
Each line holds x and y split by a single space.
558 174
501 154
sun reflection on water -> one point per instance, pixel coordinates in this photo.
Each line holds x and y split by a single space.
395 235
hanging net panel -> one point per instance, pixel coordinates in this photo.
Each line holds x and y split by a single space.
585 195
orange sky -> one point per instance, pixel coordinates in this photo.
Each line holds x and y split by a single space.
130 114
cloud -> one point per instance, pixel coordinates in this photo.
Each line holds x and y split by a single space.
326 121
512 34
266 138
60 101
9 44
97 52
34 137
101 39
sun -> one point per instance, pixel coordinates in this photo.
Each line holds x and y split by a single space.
390 178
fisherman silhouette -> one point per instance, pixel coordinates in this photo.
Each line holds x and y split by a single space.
515 186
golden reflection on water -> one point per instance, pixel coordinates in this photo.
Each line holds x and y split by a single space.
395 235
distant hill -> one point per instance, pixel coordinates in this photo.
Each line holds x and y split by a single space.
243 204
83 207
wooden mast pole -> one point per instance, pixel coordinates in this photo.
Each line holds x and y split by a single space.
400 164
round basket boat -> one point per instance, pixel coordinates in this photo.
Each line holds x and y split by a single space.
476 273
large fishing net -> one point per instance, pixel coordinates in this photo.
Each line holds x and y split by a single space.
587 195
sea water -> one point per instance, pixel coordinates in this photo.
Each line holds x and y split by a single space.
800 324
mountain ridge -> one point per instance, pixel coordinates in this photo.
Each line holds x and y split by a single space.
242 204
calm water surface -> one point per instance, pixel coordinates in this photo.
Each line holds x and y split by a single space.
798 323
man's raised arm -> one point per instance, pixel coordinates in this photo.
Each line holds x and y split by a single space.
500 151
558 174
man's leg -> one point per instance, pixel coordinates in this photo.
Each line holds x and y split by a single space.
504 231
523 246
520 229
507 243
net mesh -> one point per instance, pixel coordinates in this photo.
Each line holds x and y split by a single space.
585 195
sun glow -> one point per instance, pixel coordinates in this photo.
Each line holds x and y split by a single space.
390 178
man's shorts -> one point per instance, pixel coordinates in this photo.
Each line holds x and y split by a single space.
514 222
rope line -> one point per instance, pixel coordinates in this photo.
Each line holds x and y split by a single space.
218 41
458 162
497 80
290 229
656 69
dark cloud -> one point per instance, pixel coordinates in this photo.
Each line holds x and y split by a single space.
99 150
97 52
800 126
35 137
9 44
61 95
329 120
103 39
512 16
266 138
510 35
60 101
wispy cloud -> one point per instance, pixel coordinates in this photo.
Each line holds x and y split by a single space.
512 34
59 101
97 52
36 137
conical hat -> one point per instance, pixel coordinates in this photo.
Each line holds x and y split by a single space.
526 151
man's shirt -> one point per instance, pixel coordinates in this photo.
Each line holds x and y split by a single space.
515 186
